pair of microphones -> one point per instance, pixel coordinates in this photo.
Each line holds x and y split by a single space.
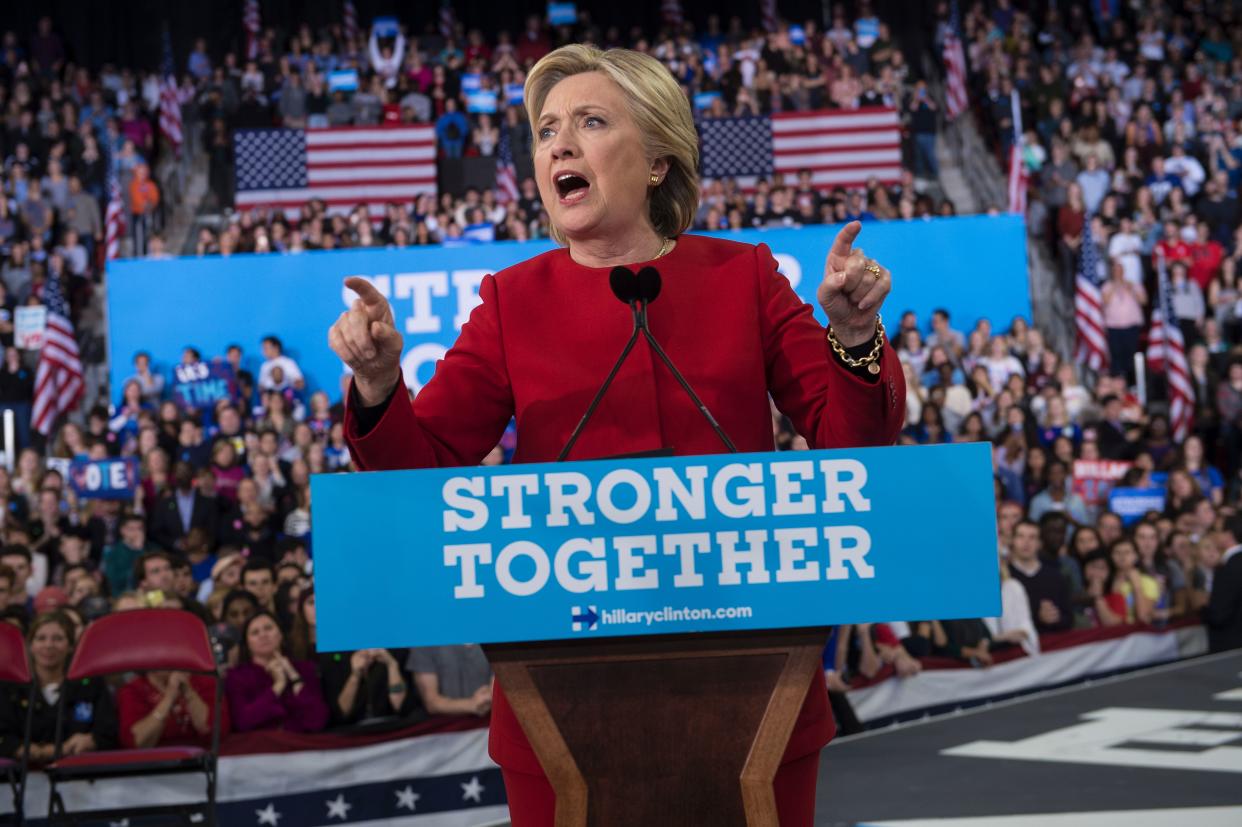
639 290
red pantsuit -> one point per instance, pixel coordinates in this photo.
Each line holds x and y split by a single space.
537 348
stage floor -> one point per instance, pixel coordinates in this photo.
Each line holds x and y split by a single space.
1160 746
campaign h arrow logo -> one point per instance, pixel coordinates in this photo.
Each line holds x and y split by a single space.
584 621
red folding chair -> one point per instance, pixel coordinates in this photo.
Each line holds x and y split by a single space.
140 641
15 668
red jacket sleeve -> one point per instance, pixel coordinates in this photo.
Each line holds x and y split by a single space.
827 404
458 417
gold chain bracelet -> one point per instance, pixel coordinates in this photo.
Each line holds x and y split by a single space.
872 359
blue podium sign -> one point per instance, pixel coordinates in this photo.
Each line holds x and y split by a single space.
654 546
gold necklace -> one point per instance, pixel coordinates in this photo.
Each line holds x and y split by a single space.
663 248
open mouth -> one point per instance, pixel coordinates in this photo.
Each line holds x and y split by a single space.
571 187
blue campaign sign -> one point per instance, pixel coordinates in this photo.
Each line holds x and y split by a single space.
704 100
562 14
202 384
104 479
343 80
974 265
654 546
1132 503
484 101
385 26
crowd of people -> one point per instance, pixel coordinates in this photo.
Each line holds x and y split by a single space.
68 134
725 68
219 526
219 523
1132 143
1131 140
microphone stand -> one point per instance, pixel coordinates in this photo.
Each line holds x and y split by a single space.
640 323
638 292
602 388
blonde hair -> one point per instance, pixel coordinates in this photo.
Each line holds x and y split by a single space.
659 108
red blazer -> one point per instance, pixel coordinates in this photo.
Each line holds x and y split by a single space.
545 336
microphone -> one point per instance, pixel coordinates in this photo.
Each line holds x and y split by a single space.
624 286
649 283
638 290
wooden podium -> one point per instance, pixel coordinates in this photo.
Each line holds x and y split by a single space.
677 729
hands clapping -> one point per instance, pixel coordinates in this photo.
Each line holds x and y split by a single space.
283 673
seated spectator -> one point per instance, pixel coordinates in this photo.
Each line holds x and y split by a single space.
259 578
1015 624
1223 614
92 724
225 574
1058 496
237 609
452 680
267 690
1101 607
164 708
364 686
967 640
184 508
1132 596
7 577
274 358
227 470
1046 590
1154 563
17 559
153 572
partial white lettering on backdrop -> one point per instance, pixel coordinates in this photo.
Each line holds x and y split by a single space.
413 297
625 496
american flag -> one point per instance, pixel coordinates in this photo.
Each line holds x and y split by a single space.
170 98
769 14
671 11
351 21
251 23
58 378
1017 167
954 58
114 220
1166 351
447 22
344 166
506 170
1089 319
841 148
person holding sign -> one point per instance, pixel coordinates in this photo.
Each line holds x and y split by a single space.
616 159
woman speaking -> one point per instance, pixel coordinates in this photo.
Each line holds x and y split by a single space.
616 158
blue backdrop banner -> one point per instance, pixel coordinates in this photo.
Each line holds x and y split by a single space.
654 546
974 266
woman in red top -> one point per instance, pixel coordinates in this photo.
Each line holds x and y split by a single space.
616 159
168 709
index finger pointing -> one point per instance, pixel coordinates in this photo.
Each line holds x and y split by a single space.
844 241
366 291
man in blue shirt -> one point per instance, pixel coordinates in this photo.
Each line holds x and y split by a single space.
452 128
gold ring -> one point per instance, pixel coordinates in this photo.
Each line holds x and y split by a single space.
873 269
